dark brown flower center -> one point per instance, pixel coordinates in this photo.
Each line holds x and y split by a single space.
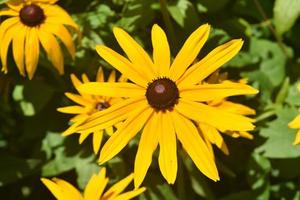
32 15
162 94
102 105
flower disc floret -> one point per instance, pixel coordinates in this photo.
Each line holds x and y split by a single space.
102 105
162 94
32 15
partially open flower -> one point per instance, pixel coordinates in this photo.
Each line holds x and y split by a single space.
94 190
87 106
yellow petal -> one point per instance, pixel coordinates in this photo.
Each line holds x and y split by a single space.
18 49
85 78
161 51
295 123
109 131
209 92
194 145
53 50
123 65
214 137
78 99
245 135
125 133
72 109
54 188
214 117
189 51
297 139
72 129
148 144
32 50
8 12
97 139
112 89
96 186
56 15
236 108
117 188
63 34
69 190
136 54
210 63
44 1
6 39
167 159
83 136
100 75
130 195
112 77
208 144
111 116
15 5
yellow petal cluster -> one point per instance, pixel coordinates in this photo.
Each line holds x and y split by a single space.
94 190
88 105
26 39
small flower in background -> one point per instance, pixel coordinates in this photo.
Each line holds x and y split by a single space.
31 22
211 134
94 190
296 125
88 105
165 100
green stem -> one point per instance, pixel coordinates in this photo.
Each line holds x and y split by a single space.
271 27
167 20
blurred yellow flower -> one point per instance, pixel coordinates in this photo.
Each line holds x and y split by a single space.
94 190
88 105
165 100
296 124
29 23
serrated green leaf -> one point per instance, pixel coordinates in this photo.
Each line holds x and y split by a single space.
279 137
293 95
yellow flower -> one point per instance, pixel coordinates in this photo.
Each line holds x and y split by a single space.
165 100
296 124
94 190
211 134
31 22
88 105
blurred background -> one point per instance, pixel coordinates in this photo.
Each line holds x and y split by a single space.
267 167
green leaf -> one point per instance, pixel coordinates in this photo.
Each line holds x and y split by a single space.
279 137
259 169
213 5
32 96
184 13
293 95
286 13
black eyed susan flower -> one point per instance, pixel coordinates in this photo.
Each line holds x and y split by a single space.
88 105
165 100
94 190
29 23
296 124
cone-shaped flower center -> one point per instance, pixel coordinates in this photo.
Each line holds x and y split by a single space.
102 105
162 94
32 15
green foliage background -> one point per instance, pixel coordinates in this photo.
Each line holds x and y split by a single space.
264 168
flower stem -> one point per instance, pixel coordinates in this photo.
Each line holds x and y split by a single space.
167 20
